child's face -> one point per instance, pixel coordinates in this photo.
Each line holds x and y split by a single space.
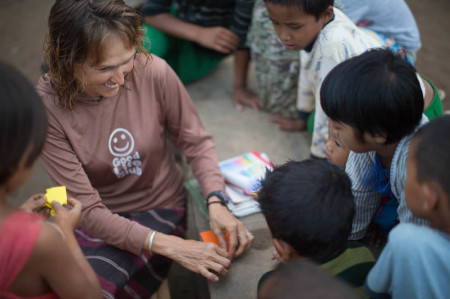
20 175
345 135
295 28
336 153
413 192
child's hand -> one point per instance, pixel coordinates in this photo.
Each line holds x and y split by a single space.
218 38
246 97
34 204
67 216
286 124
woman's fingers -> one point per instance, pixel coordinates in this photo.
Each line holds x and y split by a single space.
205 273
218 268
245 240
205 258
217 263
222 252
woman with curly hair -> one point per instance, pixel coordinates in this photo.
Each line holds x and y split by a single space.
112 109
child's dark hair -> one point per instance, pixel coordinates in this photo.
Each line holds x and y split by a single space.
23 122
432 155
376 92
301 278
309 205
311 7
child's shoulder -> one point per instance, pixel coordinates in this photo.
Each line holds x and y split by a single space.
19 234
21 222
409 235
343 38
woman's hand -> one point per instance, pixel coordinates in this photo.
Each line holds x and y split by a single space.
35 204
199 257
67 216
222 221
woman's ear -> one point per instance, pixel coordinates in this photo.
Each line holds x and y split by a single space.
284 249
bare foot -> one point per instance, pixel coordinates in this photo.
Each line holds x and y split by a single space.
287 124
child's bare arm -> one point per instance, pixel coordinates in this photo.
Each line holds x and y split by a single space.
241 94
217 38
62 267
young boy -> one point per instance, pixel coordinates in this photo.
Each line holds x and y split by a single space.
374 102
415 261
325 37
309 209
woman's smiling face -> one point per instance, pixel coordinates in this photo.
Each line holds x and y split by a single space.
105 78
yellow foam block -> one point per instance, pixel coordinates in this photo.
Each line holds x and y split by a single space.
58 194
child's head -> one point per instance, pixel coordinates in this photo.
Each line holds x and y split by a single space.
298 22
23 125
309 208
303 279
427 188
376 95
336 153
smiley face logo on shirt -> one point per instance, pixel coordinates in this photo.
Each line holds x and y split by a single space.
121 142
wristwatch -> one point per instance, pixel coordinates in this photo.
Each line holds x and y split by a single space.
221 195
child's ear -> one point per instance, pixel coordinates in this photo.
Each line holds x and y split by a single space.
375 138
284 249
431 193
327 15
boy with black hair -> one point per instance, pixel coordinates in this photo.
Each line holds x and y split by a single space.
415 261
325 37
309 209
374 102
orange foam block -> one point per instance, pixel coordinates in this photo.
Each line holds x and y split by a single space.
210 237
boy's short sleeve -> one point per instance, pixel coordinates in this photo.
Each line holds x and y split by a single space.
242 15
155 7
413 264
366 200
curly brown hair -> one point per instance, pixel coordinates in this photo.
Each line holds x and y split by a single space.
78 29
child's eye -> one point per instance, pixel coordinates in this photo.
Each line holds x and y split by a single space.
337 144
295 27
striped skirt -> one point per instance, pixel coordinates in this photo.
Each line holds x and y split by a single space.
123 274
